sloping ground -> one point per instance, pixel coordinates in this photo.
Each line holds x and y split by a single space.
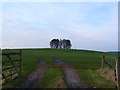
33 80
71 77
83 61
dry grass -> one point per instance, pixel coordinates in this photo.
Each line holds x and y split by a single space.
53 78
107 73
3 81
59 83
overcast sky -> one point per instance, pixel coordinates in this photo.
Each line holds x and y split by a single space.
89 25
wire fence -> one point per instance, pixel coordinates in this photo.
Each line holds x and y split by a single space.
114 64
110 62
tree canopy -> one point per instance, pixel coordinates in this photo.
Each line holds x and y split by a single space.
56 43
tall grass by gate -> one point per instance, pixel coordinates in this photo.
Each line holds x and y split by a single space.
114 64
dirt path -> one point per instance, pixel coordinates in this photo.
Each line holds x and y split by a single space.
71 77
33 79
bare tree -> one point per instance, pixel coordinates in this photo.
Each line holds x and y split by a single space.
60 43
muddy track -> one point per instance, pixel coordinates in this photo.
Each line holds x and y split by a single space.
33 79
71 77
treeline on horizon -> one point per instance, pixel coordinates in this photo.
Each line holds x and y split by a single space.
56 43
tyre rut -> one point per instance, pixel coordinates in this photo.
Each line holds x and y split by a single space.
34 78
71 77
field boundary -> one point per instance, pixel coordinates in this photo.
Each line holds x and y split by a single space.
115 68
14 69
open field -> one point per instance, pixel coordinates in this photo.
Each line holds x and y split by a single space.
86 63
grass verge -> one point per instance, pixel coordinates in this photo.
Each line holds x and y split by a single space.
53 78
94 78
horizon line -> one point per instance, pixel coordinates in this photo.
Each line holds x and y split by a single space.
55 48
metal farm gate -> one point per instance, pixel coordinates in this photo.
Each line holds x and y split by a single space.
11 66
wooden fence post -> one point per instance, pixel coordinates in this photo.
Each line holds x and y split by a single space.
20 62
118 72
103 60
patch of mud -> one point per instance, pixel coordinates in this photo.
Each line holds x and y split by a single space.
59 61
71 77
33 79
42 62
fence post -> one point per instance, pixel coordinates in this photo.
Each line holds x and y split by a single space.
20 61
118 72
103 60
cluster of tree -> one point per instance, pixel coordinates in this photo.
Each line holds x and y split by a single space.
56 43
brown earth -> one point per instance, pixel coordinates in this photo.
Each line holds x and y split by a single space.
33 79
71 77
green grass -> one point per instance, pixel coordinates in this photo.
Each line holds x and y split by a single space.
53 78
79 59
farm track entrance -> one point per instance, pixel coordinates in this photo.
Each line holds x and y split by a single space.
72 79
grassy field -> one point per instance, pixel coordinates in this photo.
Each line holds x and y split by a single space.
85 62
